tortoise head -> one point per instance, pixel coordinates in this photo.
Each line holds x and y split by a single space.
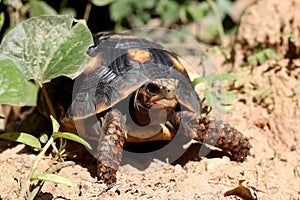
155 101
158 93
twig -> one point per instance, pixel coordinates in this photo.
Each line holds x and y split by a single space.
48 101
214 9
87 11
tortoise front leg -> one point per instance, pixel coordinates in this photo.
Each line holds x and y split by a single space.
110 146
211 131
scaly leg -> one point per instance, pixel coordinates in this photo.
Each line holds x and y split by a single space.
111 146
213 132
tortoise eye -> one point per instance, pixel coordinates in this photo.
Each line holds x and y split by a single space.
153 88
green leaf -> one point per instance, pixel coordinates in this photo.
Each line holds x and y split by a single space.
271 53
227 96
196 81
44 138
54 178
101 2
38 8
263 92
211 30
141 19
210 97
197 10
2 19
211 78
142 5
24 138
261 57
183 14
251 59
167 10
226 77
269 101
120 9
46 47
14 88
71 136
292 37
224 7
68 11
55 124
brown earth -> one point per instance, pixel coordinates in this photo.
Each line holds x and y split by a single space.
267 110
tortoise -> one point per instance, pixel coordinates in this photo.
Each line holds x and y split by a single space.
134 90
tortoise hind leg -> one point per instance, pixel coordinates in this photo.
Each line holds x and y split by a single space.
111 146
213 132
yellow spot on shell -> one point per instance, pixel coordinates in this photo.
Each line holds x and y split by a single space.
139 55
178 65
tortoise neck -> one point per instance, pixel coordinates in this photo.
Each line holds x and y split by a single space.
144 115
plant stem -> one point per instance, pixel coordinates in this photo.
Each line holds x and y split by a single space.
87 11
48 101
34 167
214 9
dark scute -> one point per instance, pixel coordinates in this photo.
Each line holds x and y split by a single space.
83 102
98 38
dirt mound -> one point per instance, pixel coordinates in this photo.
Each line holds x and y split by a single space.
271 23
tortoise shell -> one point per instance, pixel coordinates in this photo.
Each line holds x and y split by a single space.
119 65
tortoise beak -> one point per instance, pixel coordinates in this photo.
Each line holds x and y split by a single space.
167 103
168 100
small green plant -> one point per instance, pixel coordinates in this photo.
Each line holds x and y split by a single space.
136 13
261 55
214 99
264 97
292 37
223 50
49 174
40 49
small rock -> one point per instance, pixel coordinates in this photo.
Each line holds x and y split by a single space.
213 164
293 148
